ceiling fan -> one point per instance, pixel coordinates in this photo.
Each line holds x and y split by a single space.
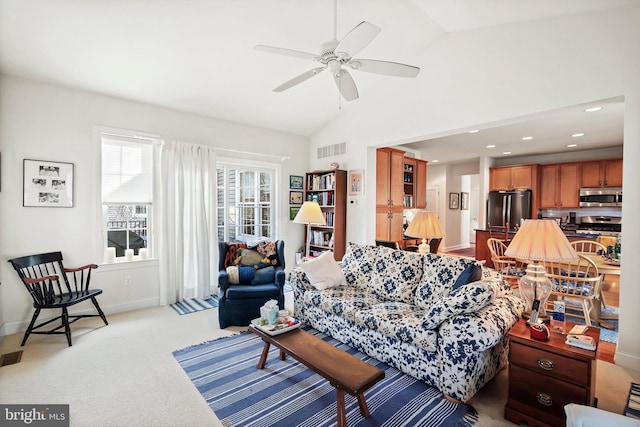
337 55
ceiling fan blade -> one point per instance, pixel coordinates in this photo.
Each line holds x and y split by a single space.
357 39
346 85
299 79
384 67
284 51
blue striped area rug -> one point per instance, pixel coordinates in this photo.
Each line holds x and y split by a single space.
195 304
286 393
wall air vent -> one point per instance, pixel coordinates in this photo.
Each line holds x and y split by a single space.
332 150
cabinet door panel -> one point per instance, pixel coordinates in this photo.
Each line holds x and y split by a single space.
569 185
500 179
613 173
421 185
548 186
521 177
591 174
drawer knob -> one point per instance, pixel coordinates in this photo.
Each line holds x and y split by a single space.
544 399
546 364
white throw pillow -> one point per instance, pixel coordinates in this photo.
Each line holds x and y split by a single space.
324 272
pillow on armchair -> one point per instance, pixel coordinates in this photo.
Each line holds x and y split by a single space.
245 275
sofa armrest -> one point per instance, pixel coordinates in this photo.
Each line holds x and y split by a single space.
481 330
223 280
587 416
300 284
280 277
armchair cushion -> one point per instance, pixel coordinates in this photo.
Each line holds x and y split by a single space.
250 276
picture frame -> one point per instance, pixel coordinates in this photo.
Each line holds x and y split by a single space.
464 201
47 184
356 182
293 211
296 197
296 182
454 200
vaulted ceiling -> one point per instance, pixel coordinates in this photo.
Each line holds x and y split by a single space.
197 55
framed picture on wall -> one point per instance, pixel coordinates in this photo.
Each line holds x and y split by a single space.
356 182
47 184
454 201
296 182
293 211
295 197
464 201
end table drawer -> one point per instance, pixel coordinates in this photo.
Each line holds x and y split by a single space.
542 394
550 364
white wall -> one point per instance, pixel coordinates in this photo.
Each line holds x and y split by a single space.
498 73
45 122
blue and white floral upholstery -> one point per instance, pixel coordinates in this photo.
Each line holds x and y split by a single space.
455 340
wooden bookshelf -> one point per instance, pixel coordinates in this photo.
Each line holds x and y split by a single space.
329 189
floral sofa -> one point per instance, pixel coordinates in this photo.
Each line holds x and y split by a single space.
402 309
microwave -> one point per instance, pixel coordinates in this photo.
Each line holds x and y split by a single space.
598 197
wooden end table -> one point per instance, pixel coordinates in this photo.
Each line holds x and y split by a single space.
546 375
345 372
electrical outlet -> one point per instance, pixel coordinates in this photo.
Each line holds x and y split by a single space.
127 281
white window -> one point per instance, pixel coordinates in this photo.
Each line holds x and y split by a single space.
127 193
246 202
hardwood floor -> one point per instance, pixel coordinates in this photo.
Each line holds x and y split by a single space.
606 350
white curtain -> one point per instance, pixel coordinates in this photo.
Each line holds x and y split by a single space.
188 242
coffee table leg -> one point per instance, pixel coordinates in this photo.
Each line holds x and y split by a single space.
263 357
342 412
364 409
283 355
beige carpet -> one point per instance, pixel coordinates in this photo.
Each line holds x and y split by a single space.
124 374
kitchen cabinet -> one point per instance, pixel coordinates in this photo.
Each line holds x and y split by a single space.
389 194
602 173
421 184
560 185
513 177
546 375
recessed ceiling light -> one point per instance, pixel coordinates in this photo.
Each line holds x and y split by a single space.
435 161
577 135
491 146
592 109
572 145
527 138
474 131
506 152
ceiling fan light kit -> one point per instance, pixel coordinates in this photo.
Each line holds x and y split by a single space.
335 55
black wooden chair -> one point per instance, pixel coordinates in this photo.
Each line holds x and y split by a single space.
48 284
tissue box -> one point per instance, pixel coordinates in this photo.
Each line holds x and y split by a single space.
269 314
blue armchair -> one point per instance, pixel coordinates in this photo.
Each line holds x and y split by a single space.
240 303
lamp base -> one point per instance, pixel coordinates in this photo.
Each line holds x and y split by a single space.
424 247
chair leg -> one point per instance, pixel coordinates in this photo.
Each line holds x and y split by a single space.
586 309
30 328
65 322
102 316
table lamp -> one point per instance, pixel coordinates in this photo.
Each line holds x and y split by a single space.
309 213
425 226
539 240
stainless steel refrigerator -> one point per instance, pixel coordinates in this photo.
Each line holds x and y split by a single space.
508 206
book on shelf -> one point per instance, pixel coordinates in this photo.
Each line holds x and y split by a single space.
322 182
582 341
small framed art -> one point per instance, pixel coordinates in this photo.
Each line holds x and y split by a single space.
464 201
356 182
295 197
293 211
47 184
454 201
296 182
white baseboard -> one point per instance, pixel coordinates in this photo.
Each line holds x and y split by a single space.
627 360
21 326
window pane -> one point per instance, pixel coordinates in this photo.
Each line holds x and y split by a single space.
127 227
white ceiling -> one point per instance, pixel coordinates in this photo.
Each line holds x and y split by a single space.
197 55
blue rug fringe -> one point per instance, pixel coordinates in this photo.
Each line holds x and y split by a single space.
287 393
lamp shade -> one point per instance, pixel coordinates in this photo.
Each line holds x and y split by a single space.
425 225
541 240
310 213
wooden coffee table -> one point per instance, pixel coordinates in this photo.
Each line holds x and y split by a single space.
343 371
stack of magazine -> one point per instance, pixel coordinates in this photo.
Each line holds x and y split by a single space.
582 341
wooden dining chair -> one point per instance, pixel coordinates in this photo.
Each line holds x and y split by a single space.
589 247
578 280
499 232
47 281
510 268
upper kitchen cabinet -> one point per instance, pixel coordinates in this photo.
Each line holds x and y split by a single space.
421 184
513 177
560 185
602 173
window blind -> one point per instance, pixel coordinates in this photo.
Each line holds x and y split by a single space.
127 170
